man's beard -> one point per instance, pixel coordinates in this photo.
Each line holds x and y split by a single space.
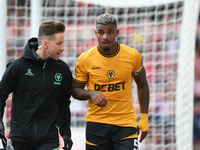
106 49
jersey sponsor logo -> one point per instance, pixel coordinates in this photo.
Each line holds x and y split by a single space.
29 73
58 78
110 74
110 87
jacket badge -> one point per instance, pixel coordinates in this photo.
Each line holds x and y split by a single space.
29 73
58 78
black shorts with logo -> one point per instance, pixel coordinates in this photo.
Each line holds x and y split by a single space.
110 137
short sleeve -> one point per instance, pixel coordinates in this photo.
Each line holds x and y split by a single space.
138 65
80 73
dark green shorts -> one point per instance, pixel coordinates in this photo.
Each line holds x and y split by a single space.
110 137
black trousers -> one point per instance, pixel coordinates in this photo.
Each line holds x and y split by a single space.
28 146
110 137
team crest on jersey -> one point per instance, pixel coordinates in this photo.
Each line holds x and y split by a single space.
110 74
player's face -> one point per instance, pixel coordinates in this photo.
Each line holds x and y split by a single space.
55 46
106 35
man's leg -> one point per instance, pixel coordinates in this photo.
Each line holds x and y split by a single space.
124 138
48 146
127 144
97 137
22 146
28 146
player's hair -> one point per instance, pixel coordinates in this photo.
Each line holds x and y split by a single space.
106 19
49 28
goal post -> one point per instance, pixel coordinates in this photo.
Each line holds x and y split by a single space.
36 13
163 31
185 76
3 37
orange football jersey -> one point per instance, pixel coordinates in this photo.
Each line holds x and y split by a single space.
112 75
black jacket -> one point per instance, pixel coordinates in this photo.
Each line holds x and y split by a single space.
40 101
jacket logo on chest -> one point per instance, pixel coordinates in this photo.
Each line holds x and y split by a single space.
29 73
110 74
58 78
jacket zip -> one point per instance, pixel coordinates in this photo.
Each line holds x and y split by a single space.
43 83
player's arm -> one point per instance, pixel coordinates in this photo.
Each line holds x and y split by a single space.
78 92
143 97
64 105
143 91
7 85
64 109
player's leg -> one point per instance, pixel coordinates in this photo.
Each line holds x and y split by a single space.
124 138
23 146
97 137
127 144
104 146
28 146
48 146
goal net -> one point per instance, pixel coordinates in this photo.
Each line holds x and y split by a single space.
163 31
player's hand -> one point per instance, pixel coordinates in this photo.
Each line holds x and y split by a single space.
143 125
67 142
98 98
2 129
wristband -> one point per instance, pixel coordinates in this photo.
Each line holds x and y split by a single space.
143 123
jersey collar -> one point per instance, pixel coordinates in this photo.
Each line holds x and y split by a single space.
110 55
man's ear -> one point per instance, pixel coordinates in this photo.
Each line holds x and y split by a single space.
45 44
95 32
117 33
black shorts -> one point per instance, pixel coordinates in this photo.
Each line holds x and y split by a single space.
28 146
110 137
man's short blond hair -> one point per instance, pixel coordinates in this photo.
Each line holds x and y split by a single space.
49 28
